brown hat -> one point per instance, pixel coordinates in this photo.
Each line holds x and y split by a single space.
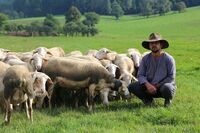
154 37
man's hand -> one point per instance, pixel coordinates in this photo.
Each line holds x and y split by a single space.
157 86
150 88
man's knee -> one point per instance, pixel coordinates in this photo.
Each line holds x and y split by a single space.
134 87
168 90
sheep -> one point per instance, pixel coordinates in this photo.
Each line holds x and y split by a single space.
91 52
112 68
36 61
135 55
3 69
74 53
41 51
56 52
13 60
3 53
18 83
125 65
21 85
48 53
102 53
42 86
73 72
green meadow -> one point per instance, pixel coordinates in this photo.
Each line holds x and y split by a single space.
182 30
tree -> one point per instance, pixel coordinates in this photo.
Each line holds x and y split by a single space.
93 31
146 7
91 18
50 24
20 27
85 31
70 28
10 27
180 7
3 19
162 6
190 3
33 28
116 10
126 5
107 7
135 7
72 15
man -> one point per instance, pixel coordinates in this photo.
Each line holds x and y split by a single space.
156 75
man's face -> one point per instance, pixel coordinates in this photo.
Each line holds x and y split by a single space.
155 46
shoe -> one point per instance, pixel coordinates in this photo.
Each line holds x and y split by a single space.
167 102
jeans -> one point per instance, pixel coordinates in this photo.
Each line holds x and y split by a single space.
166 91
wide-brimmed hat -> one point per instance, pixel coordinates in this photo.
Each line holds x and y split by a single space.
155 37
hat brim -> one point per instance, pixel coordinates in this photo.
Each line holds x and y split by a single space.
164 43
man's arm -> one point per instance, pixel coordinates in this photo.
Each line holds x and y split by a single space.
142 73
171 72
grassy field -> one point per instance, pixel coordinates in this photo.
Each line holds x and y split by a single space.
183 33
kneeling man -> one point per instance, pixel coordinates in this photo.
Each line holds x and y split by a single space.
156 74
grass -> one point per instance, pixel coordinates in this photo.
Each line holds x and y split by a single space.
182 32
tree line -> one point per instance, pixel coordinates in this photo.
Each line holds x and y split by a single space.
32 8
50 26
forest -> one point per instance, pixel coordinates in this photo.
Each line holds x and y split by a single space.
35 8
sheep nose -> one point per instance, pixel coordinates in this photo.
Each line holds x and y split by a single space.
42 91
38 67
113 75
127 94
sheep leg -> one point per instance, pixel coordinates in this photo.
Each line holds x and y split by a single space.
30 109
7 112
91 97
27 112
76 101
104 96
49 94
86 99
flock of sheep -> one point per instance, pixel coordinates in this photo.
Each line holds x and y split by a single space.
51 78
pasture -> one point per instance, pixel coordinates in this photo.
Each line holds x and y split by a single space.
182 30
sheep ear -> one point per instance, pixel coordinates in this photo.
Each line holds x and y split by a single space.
49 81
49 53
106 66
121 77
118 83
45 60
34 51
6 50
48 78
133 78
34 77
49 87
131 56
116 66
108 51
33 74
30 61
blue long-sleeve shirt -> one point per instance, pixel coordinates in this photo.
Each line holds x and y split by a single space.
157 70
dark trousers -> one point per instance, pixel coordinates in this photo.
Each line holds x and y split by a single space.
166 91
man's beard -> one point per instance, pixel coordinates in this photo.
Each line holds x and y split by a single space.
156 51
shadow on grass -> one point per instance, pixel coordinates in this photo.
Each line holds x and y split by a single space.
114 106
130 19
138 17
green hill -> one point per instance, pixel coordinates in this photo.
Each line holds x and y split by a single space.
182 30
128 32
